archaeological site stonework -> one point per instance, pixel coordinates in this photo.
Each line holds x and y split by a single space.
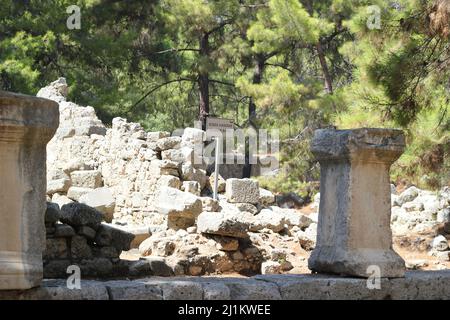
125 203
354 229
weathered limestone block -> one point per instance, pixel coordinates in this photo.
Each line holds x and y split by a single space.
26 125
223 224
168 143
242 190
191 187
355 207
101 199
75 193
266 197
180 207
87 179
58 185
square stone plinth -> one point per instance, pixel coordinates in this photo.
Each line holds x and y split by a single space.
354 235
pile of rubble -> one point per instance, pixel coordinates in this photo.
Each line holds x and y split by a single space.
77 236
146 184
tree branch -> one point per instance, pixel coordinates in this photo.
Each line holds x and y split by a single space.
158 87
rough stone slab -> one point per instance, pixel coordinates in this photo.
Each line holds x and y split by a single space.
415 285
101 199
223 224
86 179
79 214
57 290
133 290
181 207
58 185
108 235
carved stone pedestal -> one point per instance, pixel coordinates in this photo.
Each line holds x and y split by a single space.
26 125
354 215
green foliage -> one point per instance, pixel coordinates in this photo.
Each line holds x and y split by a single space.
304 64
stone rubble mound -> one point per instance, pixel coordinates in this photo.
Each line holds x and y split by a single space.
146 184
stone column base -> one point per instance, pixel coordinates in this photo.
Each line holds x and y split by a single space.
19 271
356 262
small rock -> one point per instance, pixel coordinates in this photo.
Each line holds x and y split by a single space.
75 193
443 256
227 243
286 265
271 267
169 181
247 207
55 249
60 200
80 248
168 143
108 235
192 230
266 197
181 207
191 186
440 243
408 195
210 204
159 266
220 185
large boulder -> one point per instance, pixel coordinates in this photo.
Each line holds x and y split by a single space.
108 235
79 214
180 207
223 224
242 190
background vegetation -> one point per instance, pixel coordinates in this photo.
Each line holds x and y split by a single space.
295 65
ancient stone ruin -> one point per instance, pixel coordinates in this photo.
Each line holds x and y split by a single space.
354 229
26 125
124 203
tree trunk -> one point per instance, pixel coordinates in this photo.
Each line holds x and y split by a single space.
203 82
326 73
323 62
257 78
